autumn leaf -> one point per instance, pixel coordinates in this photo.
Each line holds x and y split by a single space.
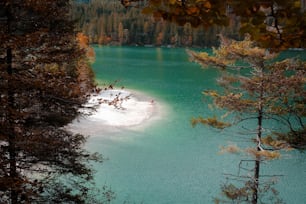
231 148
147 10
172 1
207 5
193 11
213 122
211 93
267 154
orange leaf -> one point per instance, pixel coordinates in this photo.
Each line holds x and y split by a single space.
207 5
193 11
172 1
147 10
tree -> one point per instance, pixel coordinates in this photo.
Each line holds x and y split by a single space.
42 87
120 33
257 89
275 25
278 24
97 15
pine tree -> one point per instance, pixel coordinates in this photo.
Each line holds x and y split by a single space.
277 24
256 89
41 88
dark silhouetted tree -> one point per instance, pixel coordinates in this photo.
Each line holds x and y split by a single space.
42 87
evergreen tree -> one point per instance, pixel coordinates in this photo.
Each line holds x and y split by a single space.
277 24
43 83
256 89
142 29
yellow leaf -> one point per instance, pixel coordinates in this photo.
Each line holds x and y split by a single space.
231 148
269 155
147 10
213 122
207 5
193 11
172 1
210 93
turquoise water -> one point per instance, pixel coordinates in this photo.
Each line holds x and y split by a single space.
167 161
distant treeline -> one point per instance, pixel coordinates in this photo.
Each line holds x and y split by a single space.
108 22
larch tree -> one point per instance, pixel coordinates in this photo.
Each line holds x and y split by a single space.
43 82
256 87
259 88
96 15
277 24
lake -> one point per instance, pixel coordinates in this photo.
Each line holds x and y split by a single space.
162 159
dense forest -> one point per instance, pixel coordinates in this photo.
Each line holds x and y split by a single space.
108 22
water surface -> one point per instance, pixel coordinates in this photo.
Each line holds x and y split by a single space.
166 160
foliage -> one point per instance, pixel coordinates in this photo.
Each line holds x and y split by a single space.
278 86
232 148
275 24
256 87
106 22
43 82
296 139
242 194
84 44
211 122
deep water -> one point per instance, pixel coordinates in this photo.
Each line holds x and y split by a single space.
166 160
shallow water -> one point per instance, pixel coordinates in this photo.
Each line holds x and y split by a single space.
165 160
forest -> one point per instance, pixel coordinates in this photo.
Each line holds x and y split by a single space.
109 23
46 79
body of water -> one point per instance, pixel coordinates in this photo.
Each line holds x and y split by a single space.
164 160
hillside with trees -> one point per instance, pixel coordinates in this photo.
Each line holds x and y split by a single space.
276 25
108 22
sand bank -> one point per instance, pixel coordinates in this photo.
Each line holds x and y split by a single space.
115 110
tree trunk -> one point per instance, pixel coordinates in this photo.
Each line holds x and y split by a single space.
258 140
257 161
11 135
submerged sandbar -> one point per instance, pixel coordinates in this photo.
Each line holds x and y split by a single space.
115 110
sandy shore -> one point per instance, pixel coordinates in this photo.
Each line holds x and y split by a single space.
116 110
